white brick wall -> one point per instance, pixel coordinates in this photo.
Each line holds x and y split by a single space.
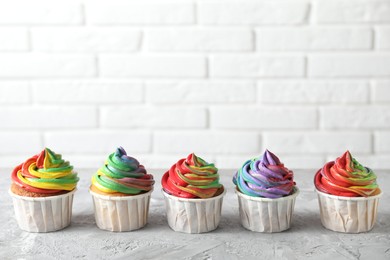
252 12
312 39
13 39
351 11
146 66
225 79
253 66
85 39
40 12
140 12
212 39
42 65
248 117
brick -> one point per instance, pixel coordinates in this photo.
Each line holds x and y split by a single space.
382 142
200 91
9 162
85 39
99 142
14 92
234 162
290 161
47 117
199 40
152 66
303 39
164 162
123 12
252 12
87 92
349 65
40 12
313 92
375 162
256 66
351 11
263 117
13 143
356 117
381 91
317 142
13 39
83 161
46 65
382 38
156 117
302 161
206 142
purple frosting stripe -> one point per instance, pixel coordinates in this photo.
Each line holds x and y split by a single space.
265 177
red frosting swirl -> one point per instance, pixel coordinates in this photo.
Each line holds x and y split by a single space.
346 177
191 178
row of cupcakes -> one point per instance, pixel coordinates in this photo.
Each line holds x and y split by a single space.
43 187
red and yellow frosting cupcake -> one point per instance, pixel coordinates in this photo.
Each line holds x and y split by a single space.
192 177
44 174
346 177
348 195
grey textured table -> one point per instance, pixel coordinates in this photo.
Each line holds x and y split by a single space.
306 238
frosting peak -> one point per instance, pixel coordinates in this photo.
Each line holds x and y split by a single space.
265 177
270 158
122 175
45 173
346 177
47 160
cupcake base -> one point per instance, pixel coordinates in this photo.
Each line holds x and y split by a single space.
193 216
43 214
348 214
266 215
121 213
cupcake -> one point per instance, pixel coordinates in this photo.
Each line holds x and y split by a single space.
266 194
121 191
42 191
348 195
193 195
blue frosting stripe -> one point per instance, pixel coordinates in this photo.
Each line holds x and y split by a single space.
264 176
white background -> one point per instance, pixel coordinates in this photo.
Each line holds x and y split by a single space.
223 79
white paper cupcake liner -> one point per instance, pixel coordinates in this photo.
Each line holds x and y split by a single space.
43 214
348 214
121 213
266 215
193 215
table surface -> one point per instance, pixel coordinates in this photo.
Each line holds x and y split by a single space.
305 239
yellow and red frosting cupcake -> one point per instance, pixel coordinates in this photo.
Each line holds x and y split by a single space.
44 174
192 177
346 177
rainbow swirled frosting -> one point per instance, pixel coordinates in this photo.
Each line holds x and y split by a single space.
264 177
192 177
45 173
346 177
122 175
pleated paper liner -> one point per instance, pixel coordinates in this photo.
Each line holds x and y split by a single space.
348 214
121 213
193 215
43 214
266 215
